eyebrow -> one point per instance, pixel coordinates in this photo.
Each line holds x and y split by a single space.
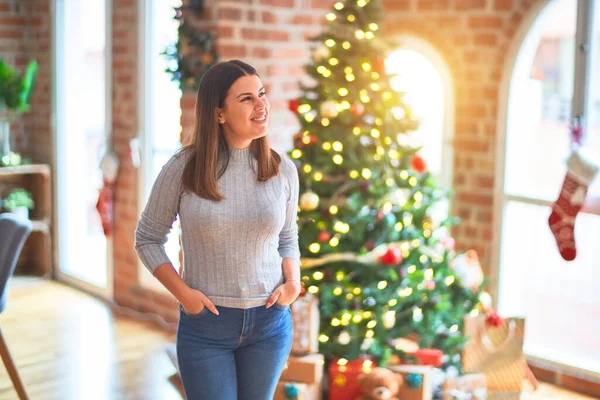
249 94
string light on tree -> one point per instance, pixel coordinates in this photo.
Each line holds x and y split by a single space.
371 250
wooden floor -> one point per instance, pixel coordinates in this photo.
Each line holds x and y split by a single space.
70 346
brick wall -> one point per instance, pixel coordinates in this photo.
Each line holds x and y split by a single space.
25 29
125 126
471 35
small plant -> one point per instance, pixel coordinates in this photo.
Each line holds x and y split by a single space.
15 93
16 89
18 198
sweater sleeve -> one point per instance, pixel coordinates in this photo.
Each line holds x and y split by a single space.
159 214
288 237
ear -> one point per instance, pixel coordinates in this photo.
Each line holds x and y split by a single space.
220 116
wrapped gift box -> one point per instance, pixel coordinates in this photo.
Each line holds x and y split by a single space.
417 382
431 357
343 379
305 314
305 369
295 390
471 386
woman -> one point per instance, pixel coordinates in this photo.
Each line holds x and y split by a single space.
237 203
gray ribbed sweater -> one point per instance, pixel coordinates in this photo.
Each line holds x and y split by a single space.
233 249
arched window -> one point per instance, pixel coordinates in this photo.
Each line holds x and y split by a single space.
160 111
424 77
561 300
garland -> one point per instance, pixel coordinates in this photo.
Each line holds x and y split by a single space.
193 53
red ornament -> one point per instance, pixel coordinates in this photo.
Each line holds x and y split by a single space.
357 109
493 319
392 256
418 164
324 236
293 105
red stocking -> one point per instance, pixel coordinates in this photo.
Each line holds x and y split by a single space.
105 207
581 172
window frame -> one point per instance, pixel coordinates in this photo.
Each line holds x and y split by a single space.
57 121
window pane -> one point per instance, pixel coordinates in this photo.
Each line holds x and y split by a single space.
164 113
421 82
540 105
593 130
558 298
81 137
164 93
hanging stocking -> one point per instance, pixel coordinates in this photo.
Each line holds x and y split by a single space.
581 172
104 205
109 166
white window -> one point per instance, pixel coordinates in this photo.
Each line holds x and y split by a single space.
160 111
82 107
424 77
561 300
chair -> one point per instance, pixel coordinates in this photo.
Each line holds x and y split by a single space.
13 232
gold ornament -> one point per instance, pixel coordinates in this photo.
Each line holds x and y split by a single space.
329 109
309 201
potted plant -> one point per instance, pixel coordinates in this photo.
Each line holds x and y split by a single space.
15 92
18 202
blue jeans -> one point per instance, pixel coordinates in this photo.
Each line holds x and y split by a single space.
236 355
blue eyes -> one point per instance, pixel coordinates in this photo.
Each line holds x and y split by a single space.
261 94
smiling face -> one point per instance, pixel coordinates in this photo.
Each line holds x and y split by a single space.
245 113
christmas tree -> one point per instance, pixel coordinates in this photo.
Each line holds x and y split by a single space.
373 237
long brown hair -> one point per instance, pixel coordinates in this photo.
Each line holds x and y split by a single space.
208 143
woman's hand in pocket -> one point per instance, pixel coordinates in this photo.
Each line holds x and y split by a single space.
284 294
194 302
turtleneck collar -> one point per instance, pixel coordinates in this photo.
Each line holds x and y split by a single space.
239 156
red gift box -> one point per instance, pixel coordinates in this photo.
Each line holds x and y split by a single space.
343 377
431 357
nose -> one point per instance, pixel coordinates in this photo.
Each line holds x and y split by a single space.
261 104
